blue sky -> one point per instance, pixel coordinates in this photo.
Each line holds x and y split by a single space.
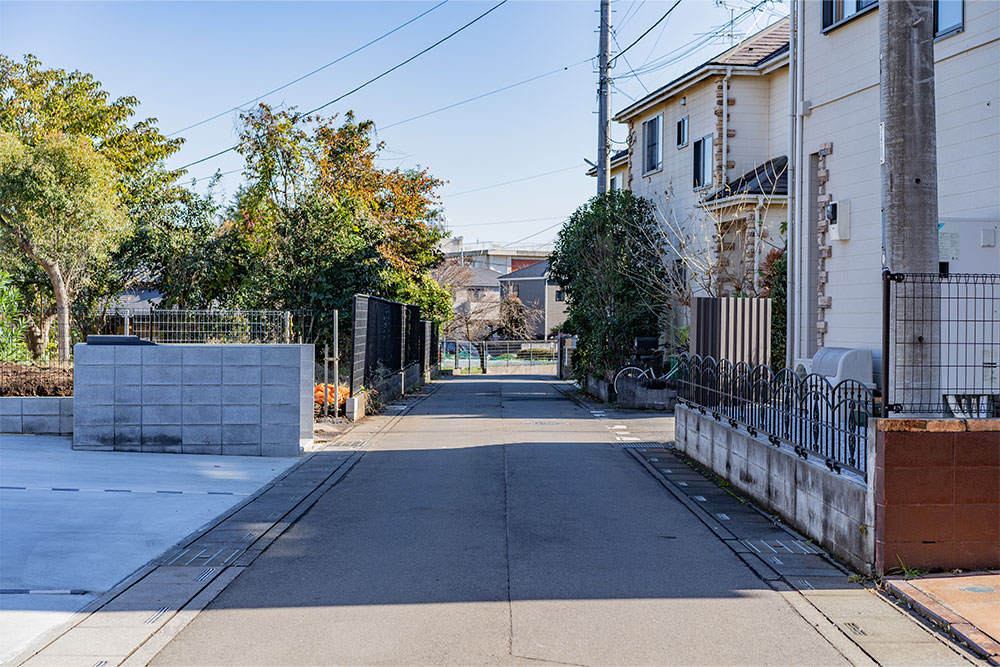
186 61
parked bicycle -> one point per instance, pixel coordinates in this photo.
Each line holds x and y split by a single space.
648 362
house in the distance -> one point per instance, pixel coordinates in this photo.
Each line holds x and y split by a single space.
500 258
540 294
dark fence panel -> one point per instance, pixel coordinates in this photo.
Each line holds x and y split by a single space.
734 328
386 339
941 344
806 413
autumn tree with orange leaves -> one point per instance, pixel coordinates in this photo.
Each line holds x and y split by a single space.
319 220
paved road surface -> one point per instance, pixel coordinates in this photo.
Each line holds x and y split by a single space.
496 523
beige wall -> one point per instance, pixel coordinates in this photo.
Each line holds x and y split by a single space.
841 80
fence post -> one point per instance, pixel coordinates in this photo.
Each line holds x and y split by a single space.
326 379
127 317
336 362
288 327
886 317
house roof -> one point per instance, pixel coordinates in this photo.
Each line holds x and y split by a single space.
752 52
483 277
769 178
616 159
537 270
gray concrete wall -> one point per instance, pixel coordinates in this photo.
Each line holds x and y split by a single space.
36 415
636 396
835 511
254 400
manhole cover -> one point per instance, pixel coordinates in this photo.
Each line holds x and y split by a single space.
542 423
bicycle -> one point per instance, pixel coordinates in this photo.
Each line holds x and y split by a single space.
646 363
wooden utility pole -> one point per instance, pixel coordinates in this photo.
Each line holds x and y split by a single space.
604 103
908 154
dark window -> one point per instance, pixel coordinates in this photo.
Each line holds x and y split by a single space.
682 132
651 141
559 295
835 11
703 162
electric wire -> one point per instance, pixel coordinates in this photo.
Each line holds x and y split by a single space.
369 81
648 30
540 231
315 71
516 180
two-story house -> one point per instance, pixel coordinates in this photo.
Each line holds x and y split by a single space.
836 299
709 149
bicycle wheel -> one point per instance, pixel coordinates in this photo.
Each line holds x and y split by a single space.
631 372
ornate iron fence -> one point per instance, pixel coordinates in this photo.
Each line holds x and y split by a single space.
807 413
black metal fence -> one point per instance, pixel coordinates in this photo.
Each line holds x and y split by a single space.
941 344
387 337
807 413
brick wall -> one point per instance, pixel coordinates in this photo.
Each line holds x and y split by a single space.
937 486
195 399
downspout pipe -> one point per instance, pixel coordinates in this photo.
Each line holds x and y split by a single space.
791 301
756 244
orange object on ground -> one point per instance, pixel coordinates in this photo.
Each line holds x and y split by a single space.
318 394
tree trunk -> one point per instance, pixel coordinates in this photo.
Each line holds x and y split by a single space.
36 336
61 293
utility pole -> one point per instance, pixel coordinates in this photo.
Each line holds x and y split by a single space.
604 104
908 153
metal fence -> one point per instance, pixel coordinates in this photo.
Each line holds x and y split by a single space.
53 378
387 338
807 413
508 355
941 344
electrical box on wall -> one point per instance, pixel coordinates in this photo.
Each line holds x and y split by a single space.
838 217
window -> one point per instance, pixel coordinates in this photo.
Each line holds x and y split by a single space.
947 17
835 11
560 296
651 142
682 132
616 182
703 162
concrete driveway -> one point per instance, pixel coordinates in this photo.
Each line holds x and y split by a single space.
73 523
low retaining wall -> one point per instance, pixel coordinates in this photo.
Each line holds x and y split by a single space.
636 396
835 511
254 400
937 486
36 415
600 388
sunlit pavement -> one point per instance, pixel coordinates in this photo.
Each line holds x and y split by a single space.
75 523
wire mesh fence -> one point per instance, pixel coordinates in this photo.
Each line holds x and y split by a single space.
941 344
529 356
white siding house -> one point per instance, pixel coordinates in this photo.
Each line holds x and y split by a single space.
837 300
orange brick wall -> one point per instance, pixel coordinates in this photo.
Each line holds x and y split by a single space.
937 494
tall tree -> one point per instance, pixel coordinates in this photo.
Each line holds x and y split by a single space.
59 202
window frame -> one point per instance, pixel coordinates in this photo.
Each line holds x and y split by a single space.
953 29
828 7
699 156
560 295
616 182
658 119
687 131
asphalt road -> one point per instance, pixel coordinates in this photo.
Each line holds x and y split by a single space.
497 523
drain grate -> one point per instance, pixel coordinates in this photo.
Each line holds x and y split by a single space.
156 615
205 575
804 584
723 517
642 445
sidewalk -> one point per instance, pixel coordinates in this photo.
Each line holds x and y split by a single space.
965 605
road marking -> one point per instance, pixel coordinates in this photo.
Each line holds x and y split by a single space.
723 517
750 544
682 483
700 499
775 560
619 427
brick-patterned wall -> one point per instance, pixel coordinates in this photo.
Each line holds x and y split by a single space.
937 494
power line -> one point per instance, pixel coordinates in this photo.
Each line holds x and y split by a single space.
315 71
369 81
614 36
481 96
516 180
648 30
507 222
540 231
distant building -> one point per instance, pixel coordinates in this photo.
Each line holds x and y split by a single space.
538 292
500 258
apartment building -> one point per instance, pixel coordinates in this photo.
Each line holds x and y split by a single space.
709 149
836 277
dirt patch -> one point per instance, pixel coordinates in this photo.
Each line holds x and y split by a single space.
27 380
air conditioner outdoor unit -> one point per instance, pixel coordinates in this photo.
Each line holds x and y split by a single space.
837 364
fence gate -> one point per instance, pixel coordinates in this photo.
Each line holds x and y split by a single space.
529 357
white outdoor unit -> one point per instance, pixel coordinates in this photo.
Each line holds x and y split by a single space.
837 364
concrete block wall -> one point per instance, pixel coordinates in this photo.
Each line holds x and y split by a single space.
835 511
36 415
251 400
